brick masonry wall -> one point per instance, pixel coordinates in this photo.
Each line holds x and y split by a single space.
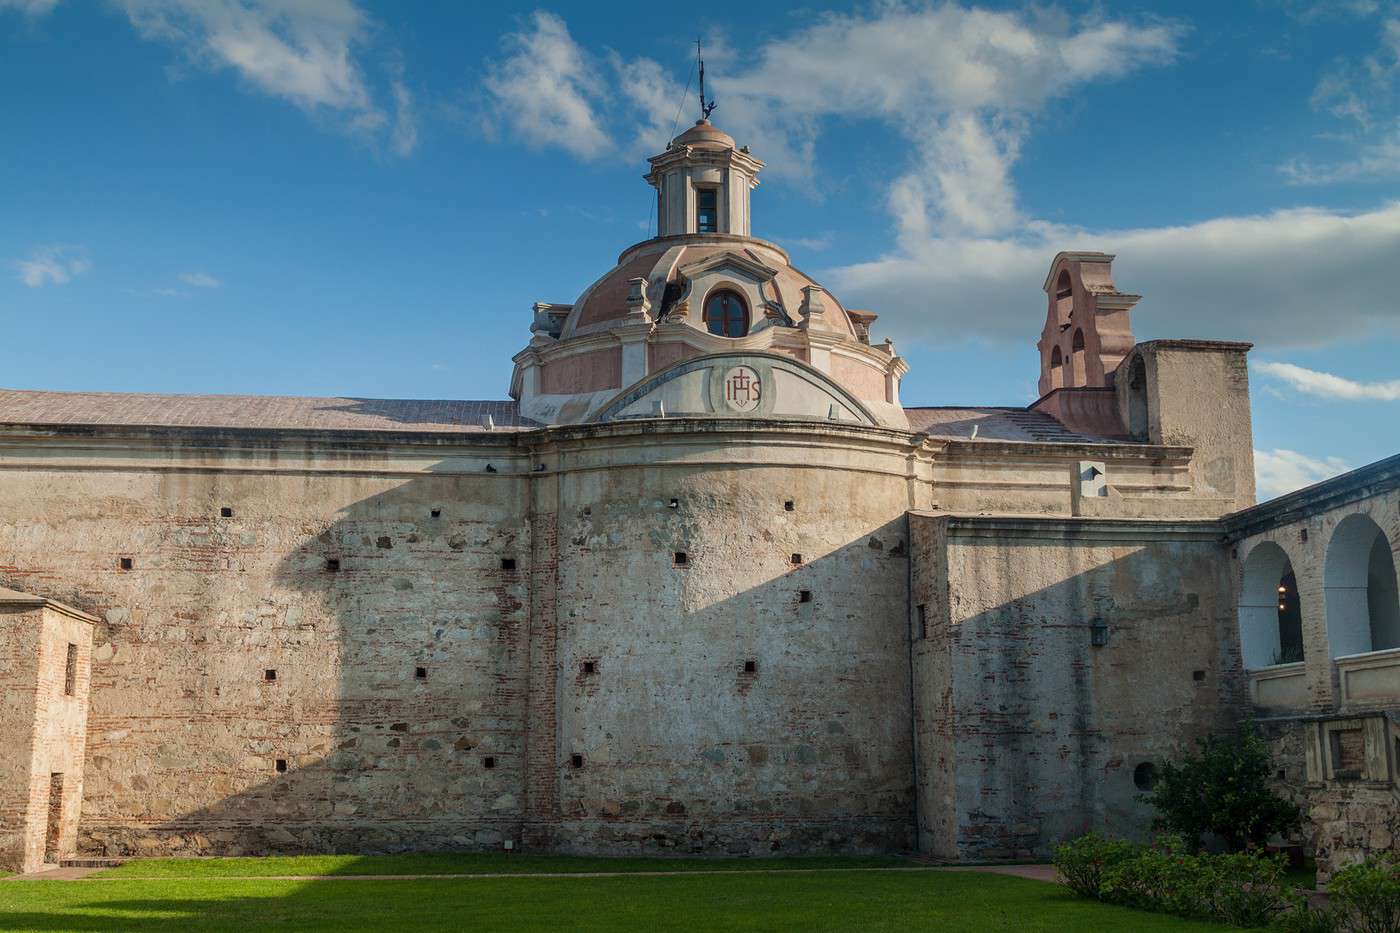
681 750
19 659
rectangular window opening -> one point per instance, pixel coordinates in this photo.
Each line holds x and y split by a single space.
797 558
1198 676
706 210
675 503
281 765
590 667
436 513
922 611
507 563
488 762
750 667
420 673
225 512
789 506
576 761
682 559
70 671
125 563
804 596
332 565
269 675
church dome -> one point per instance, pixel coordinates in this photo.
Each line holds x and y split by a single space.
700 298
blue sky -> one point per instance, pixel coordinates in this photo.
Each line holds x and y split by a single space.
343 198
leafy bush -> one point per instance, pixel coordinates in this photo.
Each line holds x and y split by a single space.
1222 790
1161 878
1306 919
1367 895
1247 889
1083 861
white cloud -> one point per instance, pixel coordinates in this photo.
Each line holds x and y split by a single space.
1362 91
959 83
52 265
200 280
29 7
1326 385
1290 278
544 89
303 51
1279 471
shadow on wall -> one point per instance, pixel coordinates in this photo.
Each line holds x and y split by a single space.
377 696
1070 672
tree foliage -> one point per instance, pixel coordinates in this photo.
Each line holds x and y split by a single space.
1222 791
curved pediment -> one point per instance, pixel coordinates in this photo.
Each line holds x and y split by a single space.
737 385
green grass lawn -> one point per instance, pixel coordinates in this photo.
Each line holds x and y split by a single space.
189 896
450 863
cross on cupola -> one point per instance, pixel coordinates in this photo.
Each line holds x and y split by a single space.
703 180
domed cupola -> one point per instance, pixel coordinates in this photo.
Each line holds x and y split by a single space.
702 183
700 306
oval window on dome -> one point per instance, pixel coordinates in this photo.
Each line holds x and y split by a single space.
726 314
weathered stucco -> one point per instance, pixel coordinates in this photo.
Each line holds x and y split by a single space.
1027 732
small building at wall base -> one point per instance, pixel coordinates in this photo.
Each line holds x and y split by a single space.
704 583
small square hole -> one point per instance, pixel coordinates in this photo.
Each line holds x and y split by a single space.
226 512
922 610
1303 536
507 563
1282 774
420 673
750 667
675 503
804 596
436 513
1198 676
789 505
124 563
332 565
590 667
281 765
269 675
681 559
488 762
576 761
797 558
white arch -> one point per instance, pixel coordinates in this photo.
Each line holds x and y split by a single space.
1354 624
1264 567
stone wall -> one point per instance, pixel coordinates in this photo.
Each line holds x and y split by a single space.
1028 732
315 643
43 727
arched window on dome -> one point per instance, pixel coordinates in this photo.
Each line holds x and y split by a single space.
726 314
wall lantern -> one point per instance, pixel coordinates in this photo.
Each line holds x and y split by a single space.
1098 633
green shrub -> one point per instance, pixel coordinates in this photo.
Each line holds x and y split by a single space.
1245 889
1304 918
1248 889
1367 895
1162 879
1222 790
1083 861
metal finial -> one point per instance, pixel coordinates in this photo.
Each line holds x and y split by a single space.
705 109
